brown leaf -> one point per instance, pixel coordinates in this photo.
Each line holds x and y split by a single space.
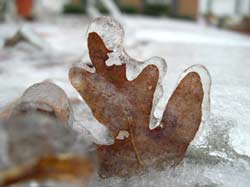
124 107
42 148
65 168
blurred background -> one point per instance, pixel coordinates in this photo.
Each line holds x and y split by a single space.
228 14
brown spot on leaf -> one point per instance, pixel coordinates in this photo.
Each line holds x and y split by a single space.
123 105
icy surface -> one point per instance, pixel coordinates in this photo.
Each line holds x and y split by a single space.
219 154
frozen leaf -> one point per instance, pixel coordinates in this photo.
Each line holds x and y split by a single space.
45 97
41 148
126 105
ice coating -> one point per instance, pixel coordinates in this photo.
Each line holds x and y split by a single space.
134 69
112 34
84 119
110 31
206 84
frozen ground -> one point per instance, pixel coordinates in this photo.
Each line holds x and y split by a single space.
220 153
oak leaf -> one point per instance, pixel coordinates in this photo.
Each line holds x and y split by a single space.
124 107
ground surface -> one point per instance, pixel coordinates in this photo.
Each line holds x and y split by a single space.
220 153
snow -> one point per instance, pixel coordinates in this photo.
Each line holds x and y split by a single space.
219 154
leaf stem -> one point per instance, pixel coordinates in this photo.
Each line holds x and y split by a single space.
133 142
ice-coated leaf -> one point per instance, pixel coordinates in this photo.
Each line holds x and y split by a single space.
45 97
125 106
41 148
40 143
